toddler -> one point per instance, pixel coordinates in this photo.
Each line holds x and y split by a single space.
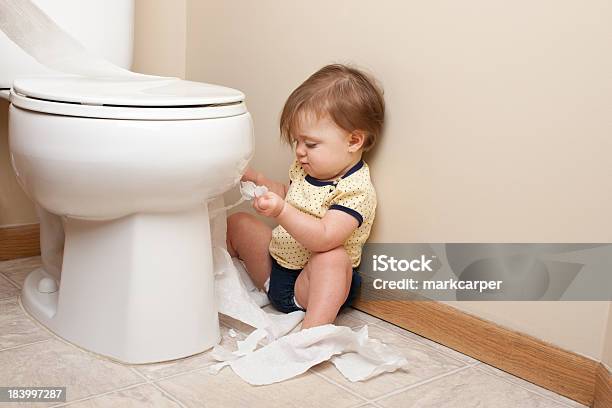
310 260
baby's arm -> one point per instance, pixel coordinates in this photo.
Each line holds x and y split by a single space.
317 235
261 180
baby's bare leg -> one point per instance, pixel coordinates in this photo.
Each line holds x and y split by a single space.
323 286
248 238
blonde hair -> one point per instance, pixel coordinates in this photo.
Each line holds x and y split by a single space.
351 98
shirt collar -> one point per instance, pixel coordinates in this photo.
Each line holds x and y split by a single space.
317 182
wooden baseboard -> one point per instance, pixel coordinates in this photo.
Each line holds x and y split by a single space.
563 372
19 241
603 388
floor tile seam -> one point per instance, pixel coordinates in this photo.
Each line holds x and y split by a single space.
24 345
476 366
329 380
365 404
168 394
189 371
175 397
444 353
11 281
89 397
420 383
153 384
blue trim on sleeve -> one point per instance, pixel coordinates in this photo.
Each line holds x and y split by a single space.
349 211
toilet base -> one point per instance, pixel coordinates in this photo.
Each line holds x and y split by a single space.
137 289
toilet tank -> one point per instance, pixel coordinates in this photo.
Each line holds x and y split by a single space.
104 27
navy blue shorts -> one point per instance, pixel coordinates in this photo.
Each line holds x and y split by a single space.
282 288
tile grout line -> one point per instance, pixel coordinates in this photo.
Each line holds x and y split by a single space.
127 387
24 345
141 376
521 386
158 387
329 380
418 384
5 276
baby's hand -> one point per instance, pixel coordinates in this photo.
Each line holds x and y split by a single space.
270 204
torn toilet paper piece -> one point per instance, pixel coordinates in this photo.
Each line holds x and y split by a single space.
259 296
355 355
250 190
284 355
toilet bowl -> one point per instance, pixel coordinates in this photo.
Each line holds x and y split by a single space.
129 167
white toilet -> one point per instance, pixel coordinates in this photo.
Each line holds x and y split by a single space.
126 167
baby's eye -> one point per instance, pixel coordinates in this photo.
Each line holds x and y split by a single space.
310 145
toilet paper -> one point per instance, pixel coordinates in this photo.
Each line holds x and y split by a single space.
248 190
354 354
286 351
284 355
38 35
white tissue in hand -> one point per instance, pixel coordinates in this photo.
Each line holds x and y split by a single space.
250 190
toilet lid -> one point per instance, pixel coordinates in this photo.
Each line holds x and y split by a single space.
149 98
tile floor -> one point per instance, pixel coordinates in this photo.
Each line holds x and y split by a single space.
437 376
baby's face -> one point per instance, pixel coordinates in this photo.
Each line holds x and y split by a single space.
322 147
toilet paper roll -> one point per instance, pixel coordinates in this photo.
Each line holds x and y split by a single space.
354 354
41 38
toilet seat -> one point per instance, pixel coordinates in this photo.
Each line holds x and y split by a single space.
136 98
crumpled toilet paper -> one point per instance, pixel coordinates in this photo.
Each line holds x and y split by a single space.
283 355
355 355
248 190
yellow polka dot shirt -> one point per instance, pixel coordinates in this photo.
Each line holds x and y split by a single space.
353 193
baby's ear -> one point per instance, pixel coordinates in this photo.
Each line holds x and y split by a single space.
356 139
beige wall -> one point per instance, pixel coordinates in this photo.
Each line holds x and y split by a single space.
498 119
159 37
